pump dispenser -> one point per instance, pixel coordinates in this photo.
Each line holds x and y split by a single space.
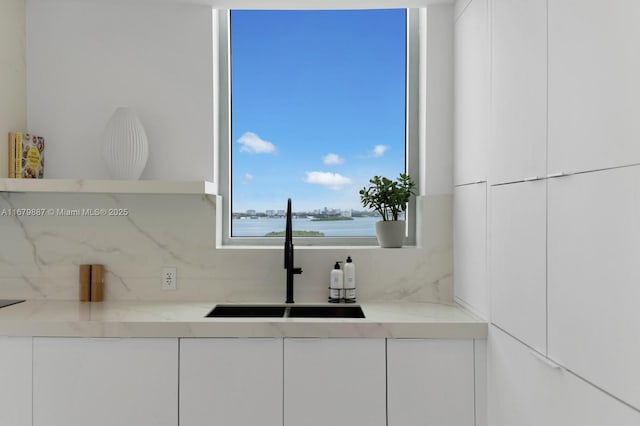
336 284
349 292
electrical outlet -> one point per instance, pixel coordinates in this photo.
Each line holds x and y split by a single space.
169 279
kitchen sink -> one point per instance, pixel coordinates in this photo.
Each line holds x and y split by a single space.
331 311
247 311
9 302
284 311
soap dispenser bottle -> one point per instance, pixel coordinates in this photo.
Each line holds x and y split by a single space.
336 284
349 281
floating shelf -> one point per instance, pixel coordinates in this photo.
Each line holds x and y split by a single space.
89 186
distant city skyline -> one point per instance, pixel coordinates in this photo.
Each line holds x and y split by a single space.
319 211
318 105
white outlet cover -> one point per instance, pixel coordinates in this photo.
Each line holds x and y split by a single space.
169 278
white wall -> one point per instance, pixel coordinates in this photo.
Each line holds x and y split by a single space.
13 81
87 58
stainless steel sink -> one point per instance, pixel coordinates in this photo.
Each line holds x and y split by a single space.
283 311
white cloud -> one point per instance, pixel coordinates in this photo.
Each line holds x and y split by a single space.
332 159
247 178
379 150
253 144
328 179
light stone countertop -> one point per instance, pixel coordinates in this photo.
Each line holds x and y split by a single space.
187 319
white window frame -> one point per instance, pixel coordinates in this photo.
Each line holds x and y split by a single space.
224 143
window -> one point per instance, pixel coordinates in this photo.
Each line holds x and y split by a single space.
314 103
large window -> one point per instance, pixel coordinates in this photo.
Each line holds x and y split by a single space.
318 104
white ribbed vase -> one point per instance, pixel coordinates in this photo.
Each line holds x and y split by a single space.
124 145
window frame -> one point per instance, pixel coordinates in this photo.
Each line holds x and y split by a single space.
224 144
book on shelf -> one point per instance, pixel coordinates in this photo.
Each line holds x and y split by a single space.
12 154
26 156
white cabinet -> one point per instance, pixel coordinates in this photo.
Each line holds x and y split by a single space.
15 381
594 63
594 276
471 99
526 389
231 382
518 147
480 377
470 246
518 262
430 382
338 382
105 382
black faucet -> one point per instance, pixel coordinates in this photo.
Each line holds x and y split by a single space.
288 255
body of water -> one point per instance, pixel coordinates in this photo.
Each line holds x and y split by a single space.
358 227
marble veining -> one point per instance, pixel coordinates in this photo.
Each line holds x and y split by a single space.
40 254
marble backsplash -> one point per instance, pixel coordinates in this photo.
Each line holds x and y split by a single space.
39 255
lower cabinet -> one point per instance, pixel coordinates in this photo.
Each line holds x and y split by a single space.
527 389
430 382
15 381
105 382
334 382
230 382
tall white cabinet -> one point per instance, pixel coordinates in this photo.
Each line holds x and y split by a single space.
594 63
470 245
471 98
105 382
529 390
594 277
517 147
562 251
15 381
517 260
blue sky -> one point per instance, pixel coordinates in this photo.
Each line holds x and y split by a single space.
318 105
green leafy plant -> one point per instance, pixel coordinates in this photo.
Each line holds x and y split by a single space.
388 197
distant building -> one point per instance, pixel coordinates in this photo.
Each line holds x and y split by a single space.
251 212
270 213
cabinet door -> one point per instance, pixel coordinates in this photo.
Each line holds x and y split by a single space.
470 246
105 382
518 148
430 382
594 63
471 101
594 276
518 261
15 381
339 382
230 382
526 389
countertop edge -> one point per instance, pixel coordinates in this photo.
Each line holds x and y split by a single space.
186 320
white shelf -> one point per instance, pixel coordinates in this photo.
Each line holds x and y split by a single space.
82 186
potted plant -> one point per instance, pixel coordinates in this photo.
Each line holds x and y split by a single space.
390 199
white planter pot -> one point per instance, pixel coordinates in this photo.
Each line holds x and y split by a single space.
125 149
390 233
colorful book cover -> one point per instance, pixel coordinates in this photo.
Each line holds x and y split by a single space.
12 154
32 157
18 165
